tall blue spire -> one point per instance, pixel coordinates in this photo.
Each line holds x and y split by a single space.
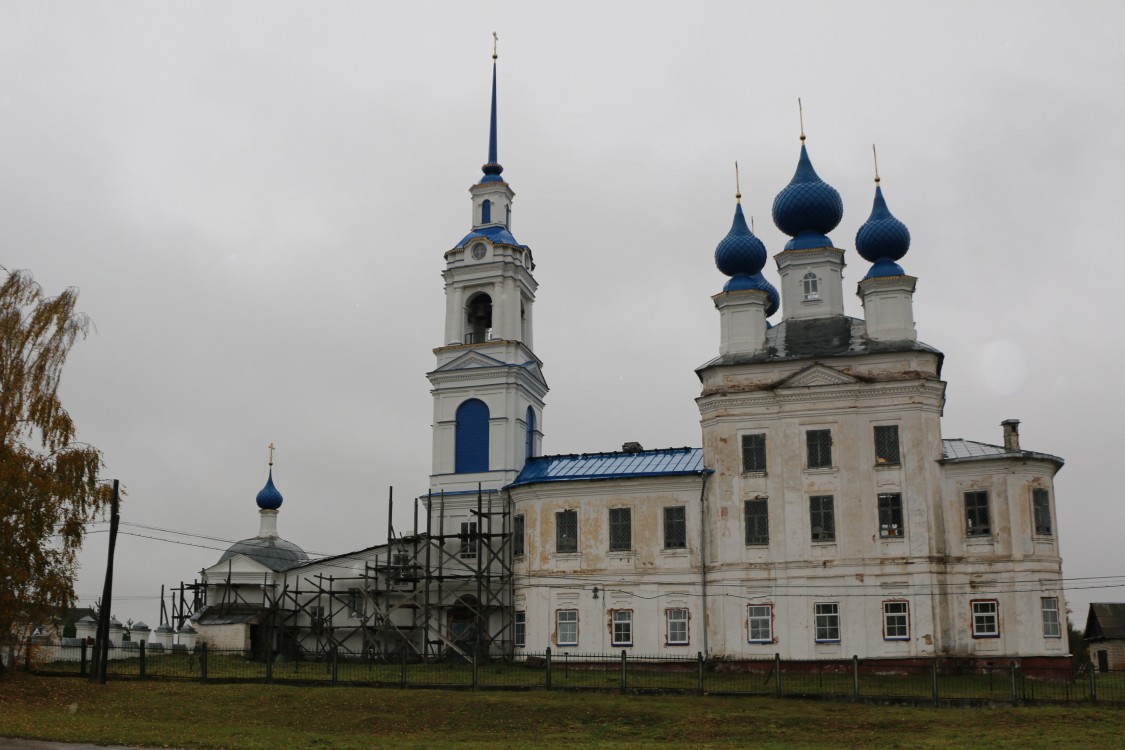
492 169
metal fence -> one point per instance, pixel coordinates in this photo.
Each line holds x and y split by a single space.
937 681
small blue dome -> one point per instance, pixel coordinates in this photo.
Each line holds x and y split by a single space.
740 252
743 281
882 236
885 267
269 498
491 173
808 208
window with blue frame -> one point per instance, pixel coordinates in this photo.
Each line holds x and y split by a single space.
471 437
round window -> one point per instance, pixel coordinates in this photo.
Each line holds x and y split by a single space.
478 250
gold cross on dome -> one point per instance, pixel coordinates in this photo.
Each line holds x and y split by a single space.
272 448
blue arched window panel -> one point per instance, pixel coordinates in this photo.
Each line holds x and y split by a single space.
486 212
471 448
530 432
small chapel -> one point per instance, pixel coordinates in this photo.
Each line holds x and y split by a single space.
823 514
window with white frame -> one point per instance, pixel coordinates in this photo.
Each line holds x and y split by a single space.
566 531
519 629
1050 606
811 285
469 540
754 453
977 521
890 515
986 618
896 621
827 621
677 622
1041 511
620 529
759 623
622 627
566 627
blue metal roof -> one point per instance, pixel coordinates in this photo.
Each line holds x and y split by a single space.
497 234
667 462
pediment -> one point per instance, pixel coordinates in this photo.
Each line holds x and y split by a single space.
470 360
536 371
237 565
817 375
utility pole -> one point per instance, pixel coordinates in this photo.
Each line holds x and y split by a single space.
101 649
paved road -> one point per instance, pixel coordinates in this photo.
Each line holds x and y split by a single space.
8 744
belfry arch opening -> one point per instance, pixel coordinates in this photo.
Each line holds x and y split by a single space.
478 319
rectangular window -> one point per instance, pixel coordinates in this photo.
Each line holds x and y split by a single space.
1051 627
822 518
566 621
677 626
518 524
976 514
886 445
890 515
469 540
819 443
566 531
519 629
754 453
986 619
1041 511
355 604
896 621
757 522
675 527
620 529
827 622
760 623
622 627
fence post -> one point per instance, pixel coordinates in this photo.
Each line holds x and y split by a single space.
203 662
1093 683
548 667
624 673
402 672
474 686
855 675
82 665
699 659
269 665
933 679
143 661
777 674
1012 672
335 664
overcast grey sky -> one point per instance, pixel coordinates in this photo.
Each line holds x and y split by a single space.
254 198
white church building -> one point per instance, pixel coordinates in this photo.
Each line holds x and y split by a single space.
824 514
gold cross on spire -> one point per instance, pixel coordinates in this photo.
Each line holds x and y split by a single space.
801 114
495 39
737 185
272 448
875 156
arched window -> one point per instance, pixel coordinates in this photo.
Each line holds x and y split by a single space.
530 432
812 285
478 319
507 216
471 436
486 212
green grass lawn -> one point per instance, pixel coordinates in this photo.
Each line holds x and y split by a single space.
277 717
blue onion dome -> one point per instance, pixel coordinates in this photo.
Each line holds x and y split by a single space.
743 281
808 208
740 252
882 239
269 498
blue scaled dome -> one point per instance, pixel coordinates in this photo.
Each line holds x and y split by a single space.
269 498
744 281
740 252
882 239
808 208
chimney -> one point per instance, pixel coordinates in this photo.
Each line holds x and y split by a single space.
1011 435
631 448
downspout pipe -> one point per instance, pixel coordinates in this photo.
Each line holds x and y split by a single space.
704 476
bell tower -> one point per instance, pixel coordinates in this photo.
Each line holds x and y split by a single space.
488 386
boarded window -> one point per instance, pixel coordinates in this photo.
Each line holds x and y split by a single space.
471 437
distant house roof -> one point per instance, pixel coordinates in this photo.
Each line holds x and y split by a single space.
616 465
1106 621
958 450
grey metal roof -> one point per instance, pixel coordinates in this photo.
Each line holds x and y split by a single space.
834 336
1106 620
272 551
229 615
956 450
616 465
